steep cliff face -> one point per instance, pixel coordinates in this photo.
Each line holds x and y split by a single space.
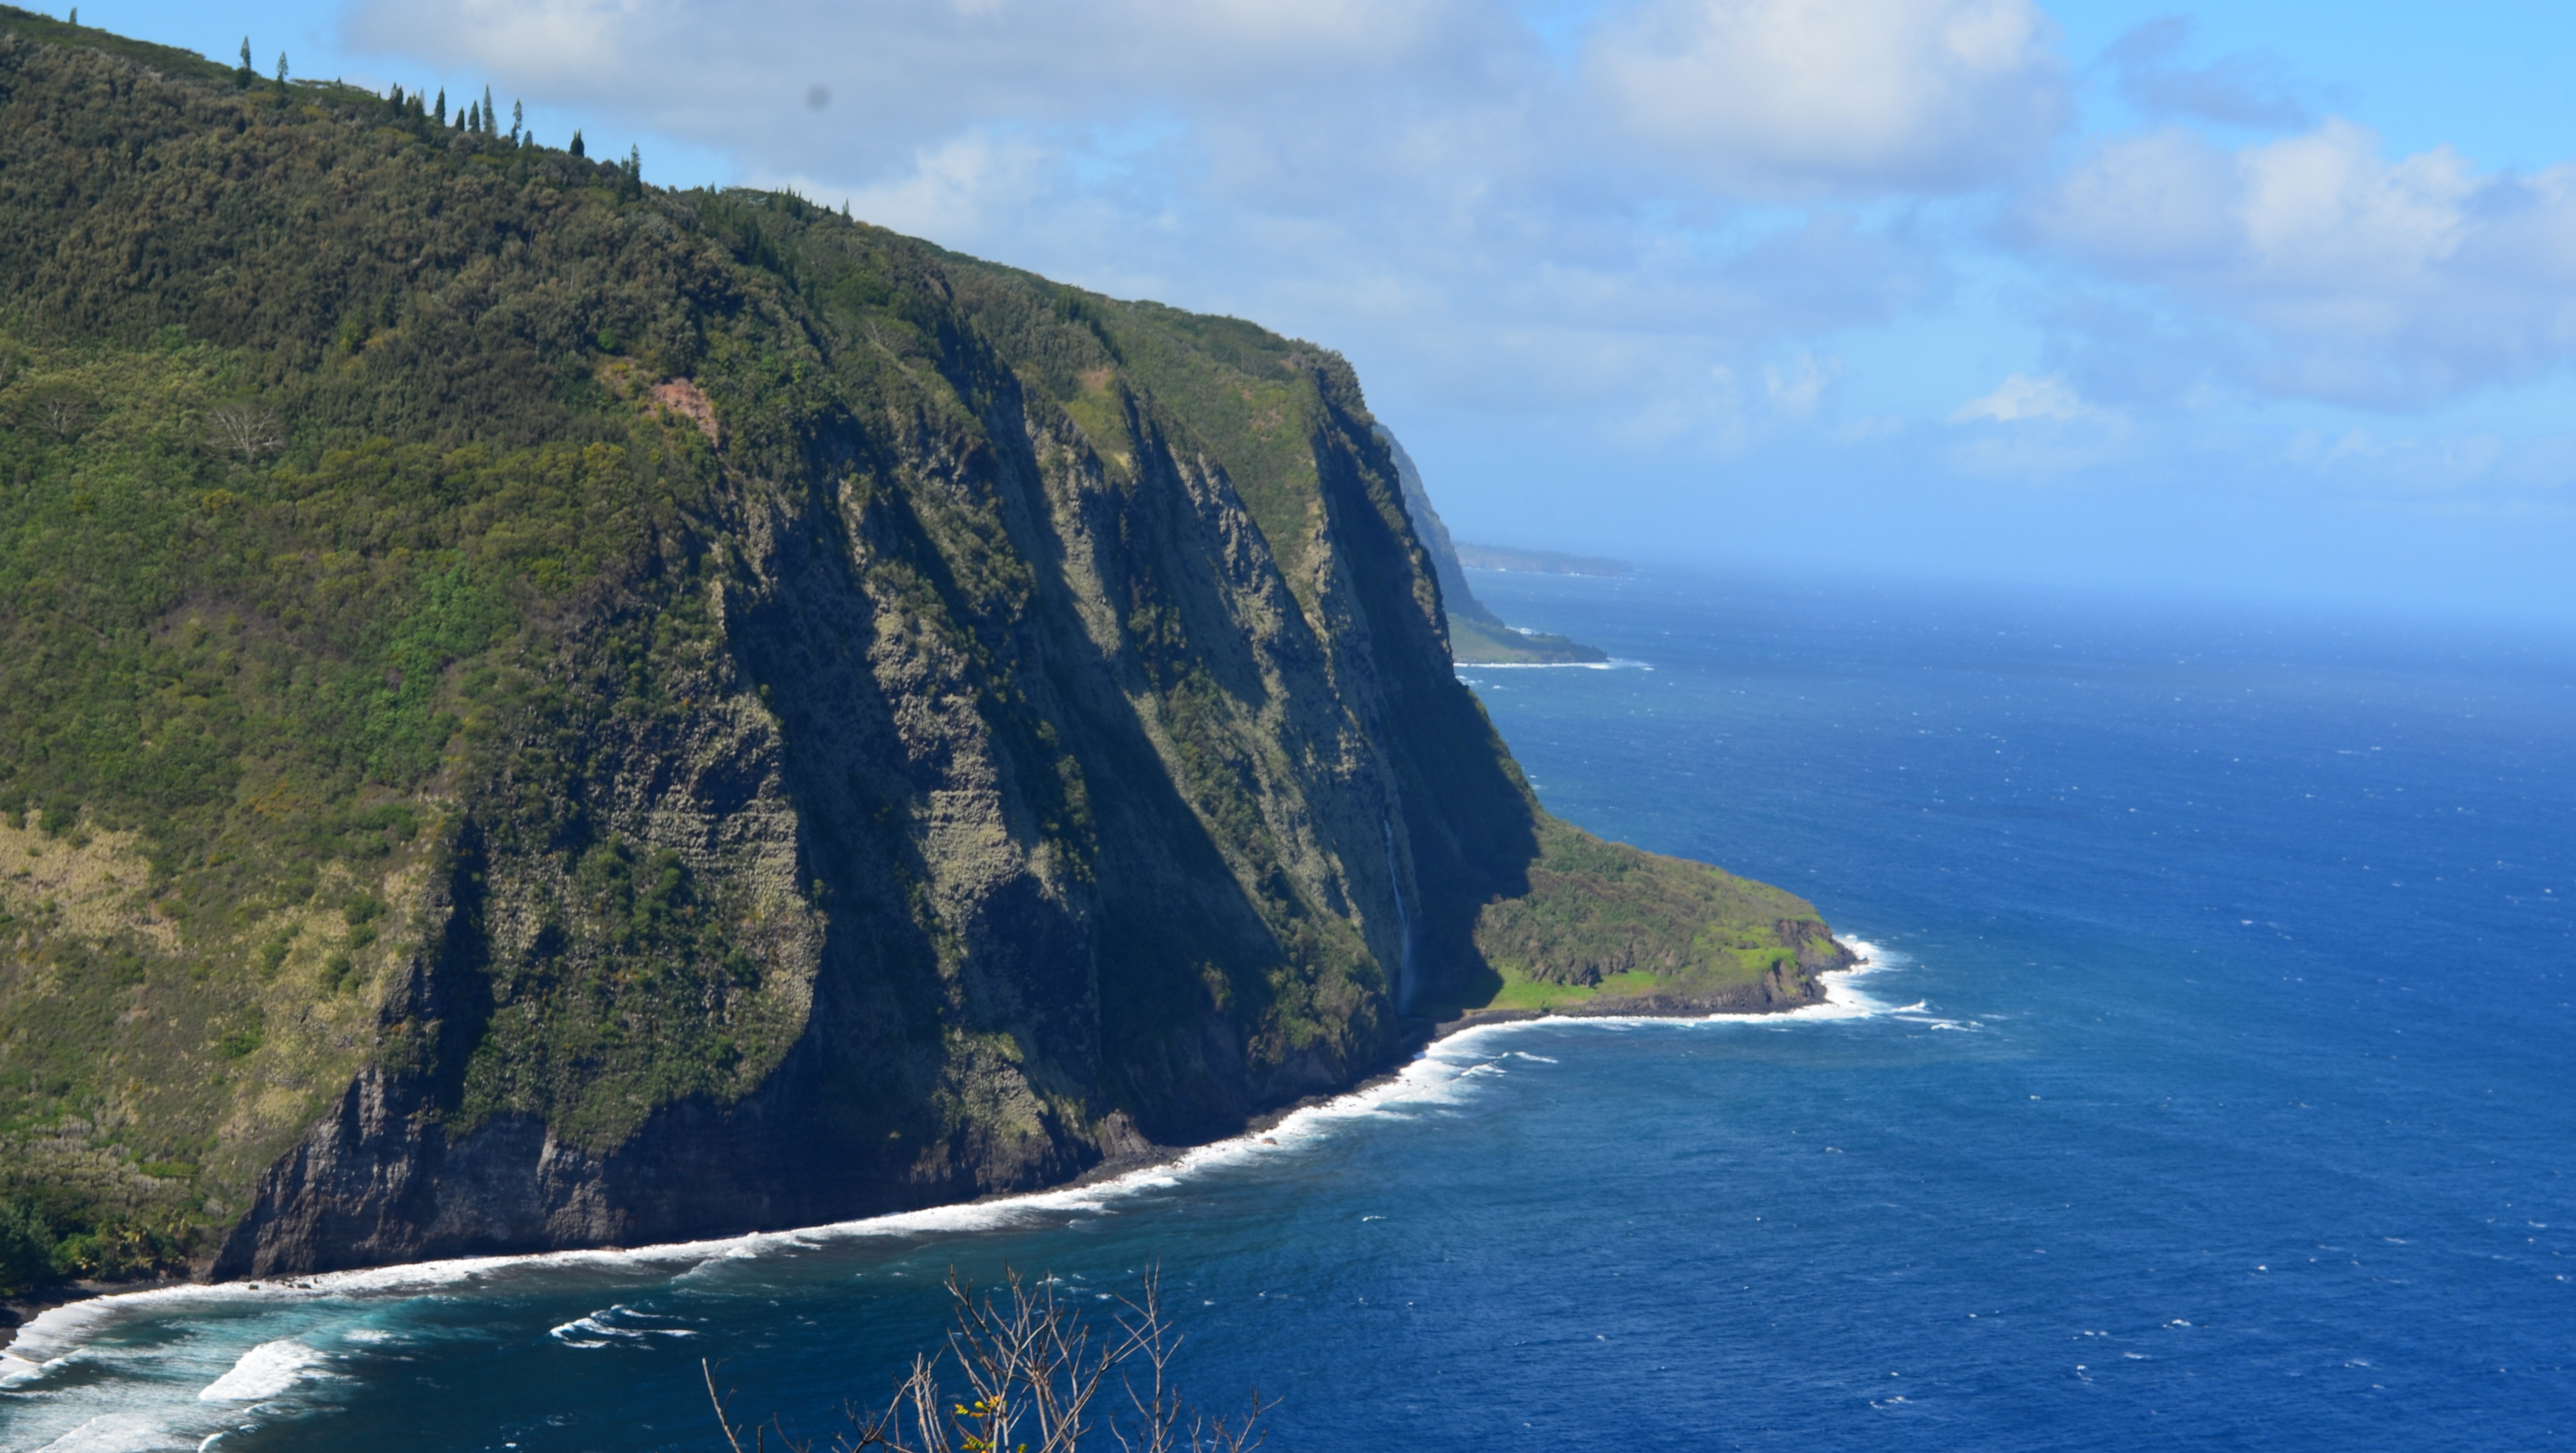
569 714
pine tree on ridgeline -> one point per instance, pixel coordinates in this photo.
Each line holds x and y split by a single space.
246 74
576 147
438 113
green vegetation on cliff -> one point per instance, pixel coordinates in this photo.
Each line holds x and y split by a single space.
535 710
1478 644
1603 921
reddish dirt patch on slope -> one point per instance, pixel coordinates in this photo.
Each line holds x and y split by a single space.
683 398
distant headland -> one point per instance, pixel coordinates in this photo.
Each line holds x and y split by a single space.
1477 636
1537 562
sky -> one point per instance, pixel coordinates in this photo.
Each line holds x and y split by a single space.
2270 301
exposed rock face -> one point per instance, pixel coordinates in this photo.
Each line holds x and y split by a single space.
991 994
809 724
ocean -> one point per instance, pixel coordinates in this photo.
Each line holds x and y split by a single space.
2208 1087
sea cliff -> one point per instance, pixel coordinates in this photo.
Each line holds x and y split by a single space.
538 711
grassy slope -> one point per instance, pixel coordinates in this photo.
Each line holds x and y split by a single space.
1603 919
1474 643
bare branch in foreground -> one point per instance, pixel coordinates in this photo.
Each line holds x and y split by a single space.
1033 1370
722 1421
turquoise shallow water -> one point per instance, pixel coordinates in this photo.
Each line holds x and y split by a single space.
2212 1091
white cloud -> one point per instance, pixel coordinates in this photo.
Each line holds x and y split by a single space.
2319 268
902 74
1420 183
1650 236
1929 95
1797 387
2021 397
953 186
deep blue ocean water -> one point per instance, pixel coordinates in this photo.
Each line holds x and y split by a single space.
2213 1091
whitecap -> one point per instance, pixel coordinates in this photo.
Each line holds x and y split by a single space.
264 1372
587 1332
15 1369
116 1433
611 1325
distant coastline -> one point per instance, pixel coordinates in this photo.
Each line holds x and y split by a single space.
1477 636
1539 562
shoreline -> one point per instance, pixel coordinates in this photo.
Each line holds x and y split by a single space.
51 1324
1615 663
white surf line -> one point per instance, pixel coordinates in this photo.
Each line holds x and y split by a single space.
57 1333
1616 663
1842 1001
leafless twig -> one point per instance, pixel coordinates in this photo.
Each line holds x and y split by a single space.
1162 1417
1033 1370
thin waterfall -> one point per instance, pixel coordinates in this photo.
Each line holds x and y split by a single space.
1403 925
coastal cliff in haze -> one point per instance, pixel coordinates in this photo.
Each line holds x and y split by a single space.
1476 634
537 711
